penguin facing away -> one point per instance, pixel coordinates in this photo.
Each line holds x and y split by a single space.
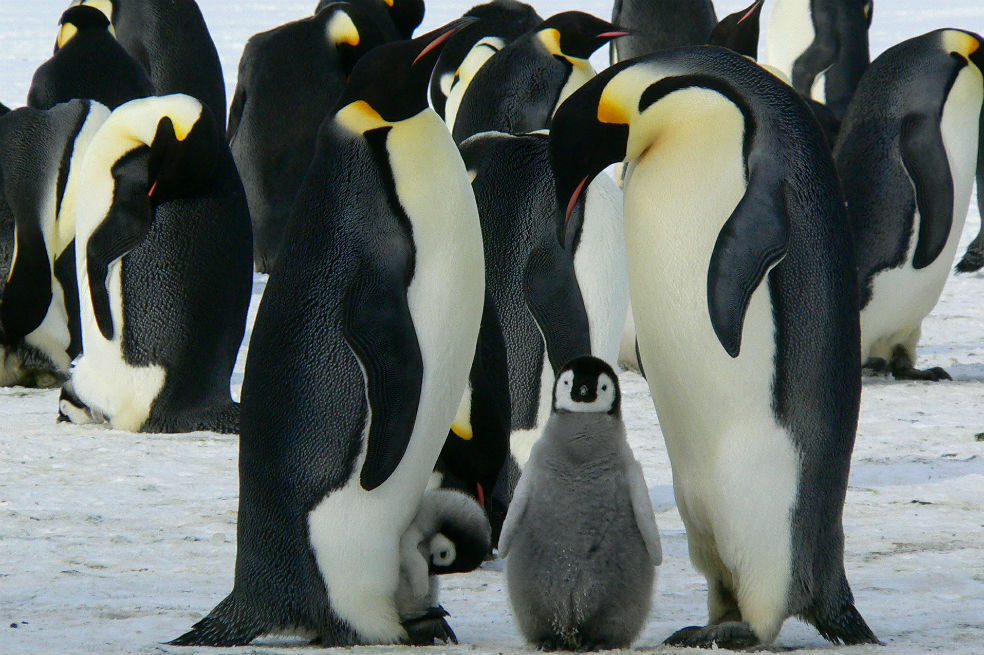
365 336
822 47
88 63
660 25
163 259
580 539
39 314
908 153
170 40
396 19
722 322
302 65
520 88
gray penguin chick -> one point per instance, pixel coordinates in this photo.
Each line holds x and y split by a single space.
580 538
449 534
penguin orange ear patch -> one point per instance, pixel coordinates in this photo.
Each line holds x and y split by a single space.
610 111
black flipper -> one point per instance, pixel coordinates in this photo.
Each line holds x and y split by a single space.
554 298
235 113
752 241
231 623
378 327
924 157
28 292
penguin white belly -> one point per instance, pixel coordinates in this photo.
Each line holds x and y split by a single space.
791 32
600 268
735 469
480 53
521 441
445 297
902 297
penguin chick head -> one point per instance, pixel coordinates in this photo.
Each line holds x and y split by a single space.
463 536
577 34
392 79
739 31
80 18
587 384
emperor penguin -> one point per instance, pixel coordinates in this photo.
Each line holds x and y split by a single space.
909 148
449 534
530 275
821 46
396 19
88 63
170 40
163 262
756 384
580 539
499 22
358 360
660 25
520 88
40 329
289 79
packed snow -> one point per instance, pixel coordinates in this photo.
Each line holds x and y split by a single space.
116 542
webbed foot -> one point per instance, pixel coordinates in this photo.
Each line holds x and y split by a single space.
732 635
430 627
875 366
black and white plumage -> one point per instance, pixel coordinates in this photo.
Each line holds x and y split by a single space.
395 19
725 229
660 25
580 539
908 155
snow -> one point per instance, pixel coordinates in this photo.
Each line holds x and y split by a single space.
115 542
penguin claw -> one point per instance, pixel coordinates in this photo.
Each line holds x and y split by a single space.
429 628
934 374
732 635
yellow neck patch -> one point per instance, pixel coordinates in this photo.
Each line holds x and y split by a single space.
611 111
360 117
66 34
341 29
550 38
961 42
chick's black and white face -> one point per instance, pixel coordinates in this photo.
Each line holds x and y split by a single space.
442 551
585 391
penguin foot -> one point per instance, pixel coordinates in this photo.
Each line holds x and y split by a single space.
875 366
429 628
732 635
934 374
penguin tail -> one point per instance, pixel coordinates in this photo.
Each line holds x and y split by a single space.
231 623
842 625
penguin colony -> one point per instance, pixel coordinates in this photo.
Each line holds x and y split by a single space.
448 288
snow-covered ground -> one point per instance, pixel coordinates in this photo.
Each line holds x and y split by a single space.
115 542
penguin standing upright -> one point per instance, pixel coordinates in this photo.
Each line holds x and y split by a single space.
88 63
907 155
822 47
163 258
303 66
357 362
170 40
520 88
39 301
396 19
756 383
660 25
580 540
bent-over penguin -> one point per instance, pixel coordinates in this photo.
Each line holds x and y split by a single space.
725 228
395 19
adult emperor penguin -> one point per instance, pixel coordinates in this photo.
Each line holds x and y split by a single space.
519 89
907 154
303 65
163 258
396 19
821 46
660 25
358 359
756 384
499 22
88 63
530 275
580 540
39 309
170 40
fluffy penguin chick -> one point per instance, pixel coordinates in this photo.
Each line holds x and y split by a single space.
449 534
580 538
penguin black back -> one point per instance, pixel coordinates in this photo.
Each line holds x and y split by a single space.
659 25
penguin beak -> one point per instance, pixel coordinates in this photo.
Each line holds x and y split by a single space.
441 35
608 36
739 31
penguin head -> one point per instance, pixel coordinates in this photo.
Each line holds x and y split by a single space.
350 30
81 18
389 83
406 15
587 384
739 31
576 34
463 537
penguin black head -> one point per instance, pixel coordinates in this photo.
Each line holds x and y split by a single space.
577 34
81 18
182 158
350 30
739 31
392 79
587 384
404 14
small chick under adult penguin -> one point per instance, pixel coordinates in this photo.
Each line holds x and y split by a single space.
580 539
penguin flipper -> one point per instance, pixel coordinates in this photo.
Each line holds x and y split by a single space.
27 294
752 241
517 506
554 298
378 327
924 158
642 507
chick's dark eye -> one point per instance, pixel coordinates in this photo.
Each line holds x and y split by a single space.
604 387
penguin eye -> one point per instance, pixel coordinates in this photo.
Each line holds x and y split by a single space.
604 387
567 383
443 558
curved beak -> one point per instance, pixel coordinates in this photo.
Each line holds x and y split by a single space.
441 35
